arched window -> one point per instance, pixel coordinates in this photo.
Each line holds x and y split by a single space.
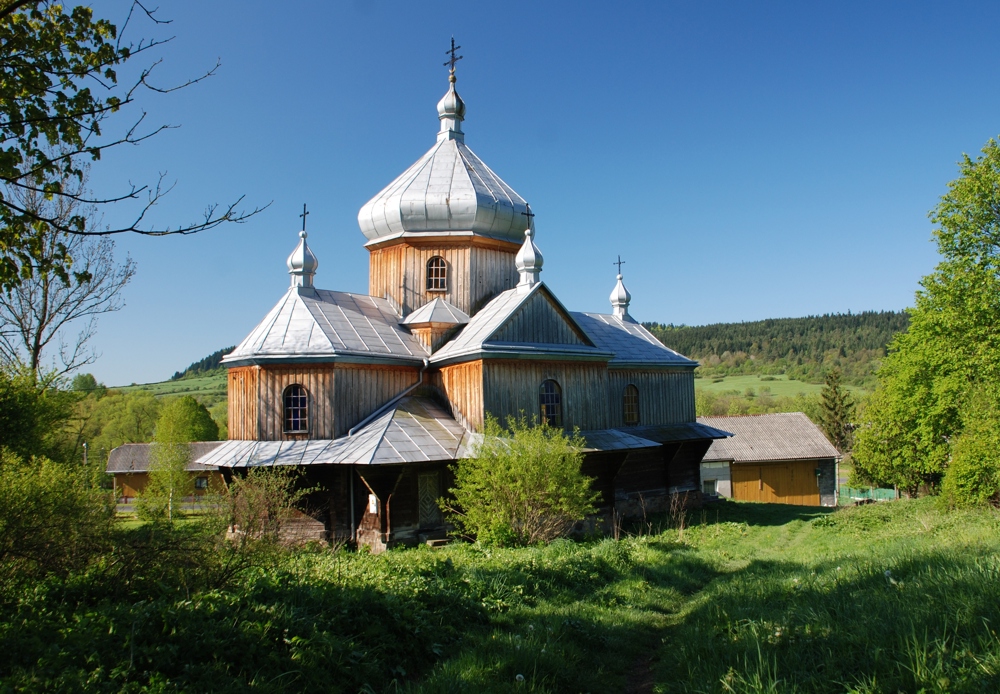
296 409
550 403
437 274
630 405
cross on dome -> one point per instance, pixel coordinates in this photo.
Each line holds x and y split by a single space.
303 215
451 62
619 263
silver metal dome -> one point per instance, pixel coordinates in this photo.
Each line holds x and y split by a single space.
448 189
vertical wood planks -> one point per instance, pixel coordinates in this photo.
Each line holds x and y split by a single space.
510 387
242 395
462 384
665 397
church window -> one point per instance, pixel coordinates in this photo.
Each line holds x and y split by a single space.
296 406
630 403
550 403
437 274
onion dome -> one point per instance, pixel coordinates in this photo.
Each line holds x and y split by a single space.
302 263
447 190
528 262
620 299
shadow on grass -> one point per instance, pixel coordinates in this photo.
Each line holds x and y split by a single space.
760 514
913 621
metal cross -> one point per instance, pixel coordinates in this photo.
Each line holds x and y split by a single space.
303 215
528 213
453 59
619 263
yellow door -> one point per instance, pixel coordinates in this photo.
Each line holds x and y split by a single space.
778 483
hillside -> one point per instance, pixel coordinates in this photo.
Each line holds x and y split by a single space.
804 349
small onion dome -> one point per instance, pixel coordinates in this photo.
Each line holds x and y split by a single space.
620 299
528 261
451 104
302 263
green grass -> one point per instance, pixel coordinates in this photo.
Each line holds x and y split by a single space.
210 384
780 385
888 597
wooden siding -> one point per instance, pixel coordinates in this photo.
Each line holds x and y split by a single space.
684 467
242 392
665 397
511 387
539 321
475 274
339 397
360 390
793 482
462 385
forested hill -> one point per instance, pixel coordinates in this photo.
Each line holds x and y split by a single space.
803 348
209 363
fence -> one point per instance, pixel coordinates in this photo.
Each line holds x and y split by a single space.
850 494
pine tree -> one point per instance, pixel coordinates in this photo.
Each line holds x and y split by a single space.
837 409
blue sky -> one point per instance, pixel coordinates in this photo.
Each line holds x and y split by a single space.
747 160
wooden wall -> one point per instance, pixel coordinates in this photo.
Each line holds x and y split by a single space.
792 482
511 386
462 384
539 320
360 390
665 397
477 271
339 397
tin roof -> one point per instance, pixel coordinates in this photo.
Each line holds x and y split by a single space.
766 437
437 311
631 343
318 323
136 457
673 433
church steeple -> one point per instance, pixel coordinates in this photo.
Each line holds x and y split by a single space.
302 263
451 108
528 260
620 297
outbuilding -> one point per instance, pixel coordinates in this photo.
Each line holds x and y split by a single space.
776 458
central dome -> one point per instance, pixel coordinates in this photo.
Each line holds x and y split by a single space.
448 189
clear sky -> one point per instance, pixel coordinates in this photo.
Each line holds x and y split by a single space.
747 160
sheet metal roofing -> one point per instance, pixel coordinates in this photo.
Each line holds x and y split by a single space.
447 189
673 433
318 323
136 457
768 437
629 341
416 430
437 311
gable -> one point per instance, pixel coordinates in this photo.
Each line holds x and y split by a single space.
540 320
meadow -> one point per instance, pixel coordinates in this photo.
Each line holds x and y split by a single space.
901 596
779 385
211 384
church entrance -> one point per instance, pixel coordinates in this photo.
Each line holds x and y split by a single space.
428 491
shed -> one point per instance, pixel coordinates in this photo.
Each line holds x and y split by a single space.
778 458
129 466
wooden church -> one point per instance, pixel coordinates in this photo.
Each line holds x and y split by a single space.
376 395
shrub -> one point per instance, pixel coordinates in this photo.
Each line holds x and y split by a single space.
523 486
51 520
973 474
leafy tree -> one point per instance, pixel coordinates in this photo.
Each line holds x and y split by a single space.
837 412
952 347
973 474
57 98
523 486
184 420
31 413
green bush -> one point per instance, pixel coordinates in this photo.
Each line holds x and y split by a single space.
51 520
523 486
973 474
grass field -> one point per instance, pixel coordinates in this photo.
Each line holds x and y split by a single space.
779 386
891 597
212 384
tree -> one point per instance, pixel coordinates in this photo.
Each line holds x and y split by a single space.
37 310
184 420
59 92
837 410
952 346
523 486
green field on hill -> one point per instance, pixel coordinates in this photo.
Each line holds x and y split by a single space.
212 384
778 385
737 598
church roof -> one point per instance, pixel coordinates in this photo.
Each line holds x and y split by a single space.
312 323
437 311
449 189
631 343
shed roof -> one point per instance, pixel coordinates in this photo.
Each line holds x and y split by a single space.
768 437
318 323
136 457
631 343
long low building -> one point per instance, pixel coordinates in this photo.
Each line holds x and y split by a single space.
129 466
777 458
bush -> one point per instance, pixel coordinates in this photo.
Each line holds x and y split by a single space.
51 520
523 486
973 474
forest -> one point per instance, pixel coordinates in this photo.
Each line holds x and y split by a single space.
804 349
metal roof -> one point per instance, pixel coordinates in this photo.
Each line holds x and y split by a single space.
447 189
135 457
318 323
673 433
631 343
437 311
768 437
614 440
